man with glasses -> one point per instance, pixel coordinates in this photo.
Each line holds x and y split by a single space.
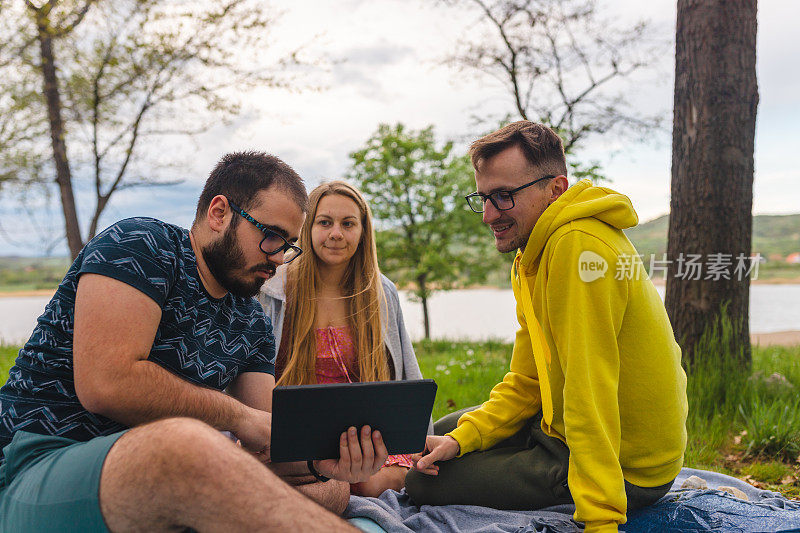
593 409
112 416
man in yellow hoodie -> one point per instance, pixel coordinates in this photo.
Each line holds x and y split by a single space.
593 409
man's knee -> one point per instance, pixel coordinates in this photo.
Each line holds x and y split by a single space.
153 470
178 431
173 445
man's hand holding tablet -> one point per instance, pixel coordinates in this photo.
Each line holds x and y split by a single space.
357 460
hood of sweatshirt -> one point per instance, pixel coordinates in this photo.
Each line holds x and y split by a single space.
582 200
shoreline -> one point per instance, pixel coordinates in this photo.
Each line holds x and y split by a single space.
26 293
776 338
775 281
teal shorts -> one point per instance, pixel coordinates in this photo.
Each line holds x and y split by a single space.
52 484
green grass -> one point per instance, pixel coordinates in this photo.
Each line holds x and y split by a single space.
761 406
464 371
7 356
769 472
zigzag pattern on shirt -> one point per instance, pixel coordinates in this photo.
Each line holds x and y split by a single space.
23 384
45 421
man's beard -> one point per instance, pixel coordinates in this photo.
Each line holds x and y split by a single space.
225 257
516 242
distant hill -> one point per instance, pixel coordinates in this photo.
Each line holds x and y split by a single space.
772 235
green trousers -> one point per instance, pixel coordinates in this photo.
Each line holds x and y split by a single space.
50 483
527 471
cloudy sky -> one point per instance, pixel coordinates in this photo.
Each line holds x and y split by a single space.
387 66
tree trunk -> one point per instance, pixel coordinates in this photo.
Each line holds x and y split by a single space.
102 201
423 294
53 98
716 97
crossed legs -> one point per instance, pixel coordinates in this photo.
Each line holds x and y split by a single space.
181 473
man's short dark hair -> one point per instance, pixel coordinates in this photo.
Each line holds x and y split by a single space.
240 176
541 145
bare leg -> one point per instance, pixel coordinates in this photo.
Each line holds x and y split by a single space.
178 473
332 495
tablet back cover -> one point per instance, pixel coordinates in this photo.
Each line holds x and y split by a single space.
307 420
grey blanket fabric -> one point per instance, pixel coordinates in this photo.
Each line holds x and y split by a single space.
694 510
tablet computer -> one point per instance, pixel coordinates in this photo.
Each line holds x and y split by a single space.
307 420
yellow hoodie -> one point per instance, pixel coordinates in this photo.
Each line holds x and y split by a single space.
595 352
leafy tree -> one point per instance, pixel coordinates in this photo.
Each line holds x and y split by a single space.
428 235
113 82
563 64
713 140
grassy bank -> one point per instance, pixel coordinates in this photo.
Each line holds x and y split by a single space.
741 425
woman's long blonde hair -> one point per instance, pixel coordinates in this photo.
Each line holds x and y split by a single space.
363 291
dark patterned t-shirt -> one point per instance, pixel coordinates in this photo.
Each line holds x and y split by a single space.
204 340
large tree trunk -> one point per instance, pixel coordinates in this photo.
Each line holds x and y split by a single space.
53 98
716 96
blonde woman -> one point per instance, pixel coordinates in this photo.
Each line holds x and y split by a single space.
335 317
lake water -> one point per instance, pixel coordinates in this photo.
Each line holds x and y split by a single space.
491 313
473 314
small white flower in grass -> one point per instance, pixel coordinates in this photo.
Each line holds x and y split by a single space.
452 362
447 372
470 352
440 368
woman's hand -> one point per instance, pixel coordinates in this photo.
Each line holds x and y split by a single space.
357 461
389 477
437 448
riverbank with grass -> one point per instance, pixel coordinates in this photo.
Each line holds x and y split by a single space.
744 424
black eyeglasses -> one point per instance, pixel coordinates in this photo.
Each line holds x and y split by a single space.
501 200
273 242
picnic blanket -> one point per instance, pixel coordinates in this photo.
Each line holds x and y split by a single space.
687 510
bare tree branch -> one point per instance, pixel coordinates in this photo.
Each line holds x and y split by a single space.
557 60
77 18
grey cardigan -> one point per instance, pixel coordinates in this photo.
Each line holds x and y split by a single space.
273 299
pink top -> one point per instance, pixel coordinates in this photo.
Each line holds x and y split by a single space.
336 360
